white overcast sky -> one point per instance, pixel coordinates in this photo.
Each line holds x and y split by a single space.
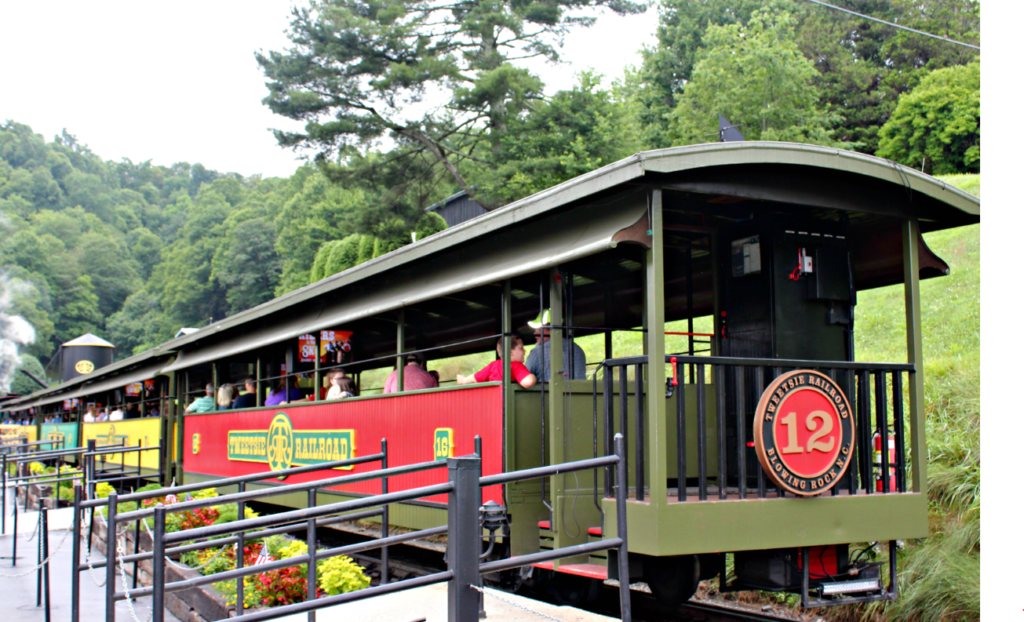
178 81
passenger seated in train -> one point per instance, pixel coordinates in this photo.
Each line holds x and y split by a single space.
90 414
225 396
539 361
341 386
494 370
416 377
247 399
286 390
116 415
205 403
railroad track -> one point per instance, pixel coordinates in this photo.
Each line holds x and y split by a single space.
407 561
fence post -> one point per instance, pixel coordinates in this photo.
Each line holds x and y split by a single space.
159 522
14 540
76 553
111 567
240 559
3 514
311 551
385 515
620 529
91 468
45 536
464 539
39 554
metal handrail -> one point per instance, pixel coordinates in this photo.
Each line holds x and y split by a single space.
464 488
741 375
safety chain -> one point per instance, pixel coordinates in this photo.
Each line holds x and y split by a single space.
88 552
492 593
43 563
92 572
124 580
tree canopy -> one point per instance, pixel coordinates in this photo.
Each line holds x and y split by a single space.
441 76
406 102
756 77
937 126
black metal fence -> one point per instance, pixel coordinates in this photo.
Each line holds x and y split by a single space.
875 392
464 530
140 514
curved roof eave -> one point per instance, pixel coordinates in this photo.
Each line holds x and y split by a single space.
673 159
142 357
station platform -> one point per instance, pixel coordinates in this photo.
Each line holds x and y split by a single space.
18 603
430 604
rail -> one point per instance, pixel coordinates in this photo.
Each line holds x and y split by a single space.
465 530
141 515
875 392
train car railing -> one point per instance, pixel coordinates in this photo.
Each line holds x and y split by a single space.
464 530
874 390
140 516
98 474
19 477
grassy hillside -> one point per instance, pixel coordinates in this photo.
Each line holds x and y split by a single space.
940 578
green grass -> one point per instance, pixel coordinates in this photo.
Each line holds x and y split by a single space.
939 577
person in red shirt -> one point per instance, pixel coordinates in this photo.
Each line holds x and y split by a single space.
493 371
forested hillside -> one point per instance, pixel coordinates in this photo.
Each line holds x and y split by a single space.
134 251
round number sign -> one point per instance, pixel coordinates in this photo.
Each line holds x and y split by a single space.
803 432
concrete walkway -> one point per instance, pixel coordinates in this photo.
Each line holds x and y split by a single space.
430 603
18 595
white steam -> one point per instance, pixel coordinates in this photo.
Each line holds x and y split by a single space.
15 333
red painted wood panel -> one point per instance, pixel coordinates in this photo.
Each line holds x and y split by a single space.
407 421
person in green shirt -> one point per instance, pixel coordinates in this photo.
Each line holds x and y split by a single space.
204 404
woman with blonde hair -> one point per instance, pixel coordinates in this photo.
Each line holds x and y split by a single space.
225 395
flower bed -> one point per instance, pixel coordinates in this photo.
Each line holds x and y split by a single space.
283 586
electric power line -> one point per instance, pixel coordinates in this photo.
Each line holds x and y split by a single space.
882 21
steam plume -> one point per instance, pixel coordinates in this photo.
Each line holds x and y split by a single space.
15 332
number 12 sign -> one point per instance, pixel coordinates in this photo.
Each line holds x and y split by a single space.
804 432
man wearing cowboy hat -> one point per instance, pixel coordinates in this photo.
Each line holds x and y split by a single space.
539 361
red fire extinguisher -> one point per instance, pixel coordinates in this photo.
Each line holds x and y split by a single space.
876 442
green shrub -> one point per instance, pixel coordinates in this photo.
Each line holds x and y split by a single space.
337 575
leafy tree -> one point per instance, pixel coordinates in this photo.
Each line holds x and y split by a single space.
364 252
938 124
343 255
864 66
109 264
754 75
320 261
358 71
668 66
145 249
247 266
576 131
139 325
77 308
429 224
320 212
188 293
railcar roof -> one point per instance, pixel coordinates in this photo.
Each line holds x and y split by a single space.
954 206
796 174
